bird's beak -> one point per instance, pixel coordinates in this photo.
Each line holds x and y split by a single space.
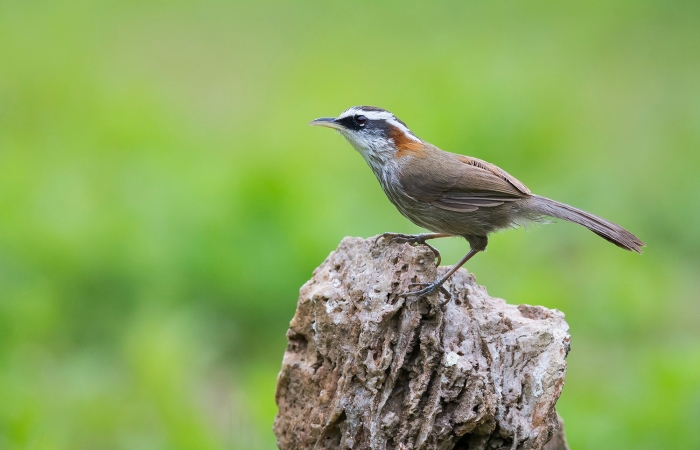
328 122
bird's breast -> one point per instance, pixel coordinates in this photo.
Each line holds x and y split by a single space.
414 210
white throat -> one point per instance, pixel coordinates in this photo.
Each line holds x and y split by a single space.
379 152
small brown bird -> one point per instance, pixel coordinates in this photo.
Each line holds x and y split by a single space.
451 194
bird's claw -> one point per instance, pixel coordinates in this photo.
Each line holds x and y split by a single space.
429 289
399 237
412 239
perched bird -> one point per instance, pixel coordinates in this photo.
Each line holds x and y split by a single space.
451 194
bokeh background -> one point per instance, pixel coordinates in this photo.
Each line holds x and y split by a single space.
162 199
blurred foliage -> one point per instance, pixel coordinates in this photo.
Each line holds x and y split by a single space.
162 199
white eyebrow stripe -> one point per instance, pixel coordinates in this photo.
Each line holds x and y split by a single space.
386 115
376 115
379 115
348 112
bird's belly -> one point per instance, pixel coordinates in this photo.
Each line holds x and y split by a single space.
474 223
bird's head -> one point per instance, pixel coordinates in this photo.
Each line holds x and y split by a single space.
376 133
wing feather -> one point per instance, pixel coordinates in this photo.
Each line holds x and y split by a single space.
459 183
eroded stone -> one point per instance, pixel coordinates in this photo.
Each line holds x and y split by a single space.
366 368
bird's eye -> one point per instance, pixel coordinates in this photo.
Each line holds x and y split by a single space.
360 120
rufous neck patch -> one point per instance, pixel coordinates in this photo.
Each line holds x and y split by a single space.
405 145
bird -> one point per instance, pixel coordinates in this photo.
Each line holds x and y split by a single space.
451 194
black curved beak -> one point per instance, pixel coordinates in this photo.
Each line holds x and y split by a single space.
328 122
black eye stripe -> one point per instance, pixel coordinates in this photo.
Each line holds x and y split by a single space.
352 122
348 122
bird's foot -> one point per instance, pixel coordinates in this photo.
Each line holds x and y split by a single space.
412 239
429 289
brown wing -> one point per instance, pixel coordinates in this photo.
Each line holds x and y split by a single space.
459 183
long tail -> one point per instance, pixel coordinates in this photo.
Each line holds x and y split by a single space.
609 231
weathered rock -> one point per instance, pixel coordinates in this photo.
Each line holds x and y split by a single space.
558 441
368 369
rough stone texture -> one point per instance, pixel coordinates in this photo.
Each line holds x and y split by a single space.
367 369
558 441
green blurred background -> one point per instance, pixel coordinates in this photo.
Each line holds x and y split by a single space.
162 199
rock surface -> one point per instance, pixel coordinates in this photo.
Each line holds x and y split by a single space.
368 369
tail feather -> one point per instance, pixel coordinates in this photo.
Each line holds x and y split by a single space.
609 231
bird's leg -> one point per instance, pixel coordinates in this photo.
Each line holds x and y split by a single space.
430 288
416 239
